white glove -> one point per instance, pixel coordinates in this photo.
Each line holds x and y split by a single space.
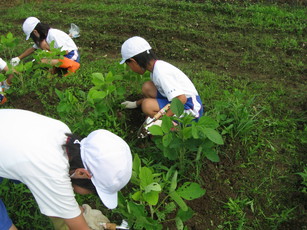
93 217
15 61
129 104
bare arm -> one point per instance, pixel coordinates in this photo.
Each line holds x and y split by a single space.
26 53
77 223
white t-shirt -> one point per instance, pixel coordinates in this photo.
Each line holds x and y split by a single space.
2 64
31 152
171 81
61 40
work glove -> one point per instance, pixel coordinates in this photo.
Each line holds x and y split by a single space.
129 104
94 218
15 61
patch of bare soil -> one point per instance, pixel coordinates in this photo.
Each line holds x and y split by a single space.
29 101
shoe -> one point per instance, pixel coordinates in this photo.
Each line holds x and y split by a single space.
3 99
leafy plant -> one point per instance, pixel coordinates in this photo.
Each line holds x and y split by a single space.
304 179
180 137
236 208
7 44
29 74
155 195
95 109
236 114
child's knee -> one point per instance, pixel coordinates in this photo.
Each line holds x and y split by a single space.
149 89
150 106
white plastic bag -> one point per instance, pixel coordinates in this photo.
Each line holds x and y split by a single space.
74 31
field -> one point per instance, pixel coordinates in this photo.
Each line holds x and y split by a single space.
248 62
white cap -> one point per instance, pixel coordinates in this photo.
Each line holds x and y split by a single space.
108 158
29 25
133 46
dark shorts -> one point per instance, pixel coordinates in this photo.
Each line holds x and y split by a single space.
163 101
73 55
5 221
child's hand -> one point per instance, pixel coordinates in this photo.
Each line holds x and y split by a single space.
129 104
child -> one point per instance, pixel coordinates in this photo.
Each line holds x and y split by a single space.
43 35
4 85
42 153
167 81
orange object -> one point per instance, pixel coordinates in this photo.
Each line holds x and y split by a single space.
70 65
4 99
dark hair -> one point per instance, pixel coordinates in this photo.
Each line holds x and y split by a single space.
75 161
43 30
144 58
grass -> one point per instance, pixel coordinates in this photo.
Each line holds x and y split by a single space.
248 63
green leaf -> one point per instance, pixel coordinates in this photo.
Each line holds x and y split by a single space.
147 223
175 196
190 191
171 154
137 209
89 121
153 187
136 164
179 223
111 88
166 124
96 95
2 77
167 139
146 177
187 132
155 130
213 135
59 93
110 78
137 196
185 215
120 91
101 108
174 182
177 107
208 122
194 131
170 207
212 155
151 197
98 79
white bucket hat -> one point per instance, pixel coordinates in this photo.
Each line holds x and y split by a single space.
108 158
132 47
29 25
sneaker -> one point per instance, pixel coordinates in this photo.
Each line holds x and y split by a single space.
2 99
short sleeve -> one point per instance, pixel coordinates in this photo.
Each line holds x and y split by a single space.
55 197
2 64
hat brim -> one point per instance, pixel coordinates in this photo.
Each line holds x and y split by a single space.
122 61
109 200
28 36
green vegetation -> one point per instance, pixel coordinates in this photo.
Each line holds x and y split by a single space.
244 165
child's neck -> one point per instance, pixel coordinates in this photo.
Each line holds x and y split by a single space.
151 65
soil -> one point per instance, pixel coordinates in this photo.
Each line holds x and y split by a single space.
222 180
